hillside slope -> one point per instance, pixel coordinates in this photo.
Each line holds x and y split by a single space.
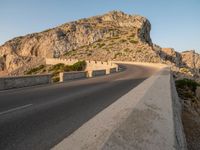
75 35
112 36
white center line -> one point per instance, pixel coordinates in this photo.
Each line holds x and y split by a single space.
14 109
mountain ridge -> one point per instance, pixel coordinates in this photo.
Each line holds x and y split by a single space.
111 36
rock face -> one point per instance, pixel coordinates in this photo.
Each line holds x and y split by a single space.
112 36
187 63
57 41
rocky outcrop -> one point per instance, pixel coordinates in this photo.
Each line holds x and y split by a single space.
112 36
57 41
184 64
191 58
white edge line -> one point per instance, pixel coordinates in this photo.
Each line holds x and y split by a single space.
17 108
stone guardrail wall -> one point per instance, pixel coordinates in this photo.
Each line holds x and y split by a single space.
54 61
91 65
113 70
93 68
23 81
65 76
95 73
147 117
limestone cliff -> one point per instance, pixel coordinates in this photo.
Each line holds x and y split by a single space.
185 64
70 36
112 36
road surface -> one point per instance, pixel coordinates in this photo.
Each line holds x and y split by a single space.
40 117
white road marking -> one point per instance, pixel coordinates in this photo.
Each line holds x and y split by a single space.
14 109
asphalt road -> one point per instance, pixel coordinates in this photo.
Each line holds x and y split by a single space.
40 117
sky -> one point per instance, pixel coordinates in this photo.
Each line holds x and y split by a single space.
175 23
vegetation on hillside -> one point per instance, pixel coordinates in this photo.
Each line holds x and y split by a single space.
187 83
56 69
190 97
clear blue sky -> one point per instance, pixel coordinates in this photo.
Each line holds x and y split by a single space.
175 23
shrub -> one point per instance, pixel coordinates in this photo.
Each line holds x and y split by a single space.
101 45
138 50
35 70
117 54
69 52
127 49
184 70
56 67
56 72
89 54
122 41
79 66
94 46
183 83
67 68
56 79
115 37
132 35
99 40
133 41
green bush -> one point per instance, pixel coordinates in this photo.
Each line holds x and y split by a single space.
117 54
101 45
98 40
89 54
67 68
183 83
127 49
132 35
138 50
122 41
184 70
115 37
56 79
70 52
79 66
35 70
133 41
56 72
56 67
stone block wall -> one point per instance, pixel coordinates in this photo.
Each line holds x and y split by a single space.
66 76
23 81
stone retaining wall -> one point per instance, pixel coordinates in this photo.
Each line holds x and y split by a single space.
93 68
66 76
23 81
113 70
98 72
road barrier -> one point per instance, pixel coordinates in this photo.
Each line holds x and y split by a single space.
66 76
93 69
91 65
98 72
23 81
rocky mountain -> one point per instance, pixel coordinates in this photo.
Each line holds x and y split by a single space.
184 64
110 27
112 36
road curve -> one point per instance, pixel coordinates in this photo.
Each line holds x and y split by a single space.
40 117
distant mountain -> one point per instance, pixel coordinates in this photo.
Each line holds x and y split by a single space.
112 36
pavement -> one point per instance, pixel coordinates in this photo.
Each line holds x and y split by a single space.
42 116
